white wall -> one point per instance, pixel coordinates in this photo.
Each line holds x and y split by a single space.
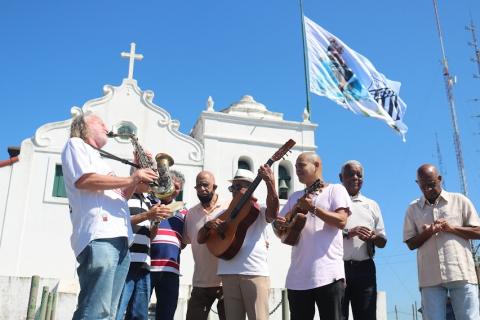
37 228
14 294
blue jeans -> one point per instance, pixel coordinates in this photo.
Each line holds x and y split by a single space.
135 295
103 267
165 285
463 295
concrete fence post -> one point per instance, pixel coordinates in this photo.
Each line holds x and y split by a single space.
285 307
48 314
43 305
54 305
32 299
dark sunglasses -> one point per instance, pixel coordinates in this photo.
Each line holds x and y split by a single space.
236 187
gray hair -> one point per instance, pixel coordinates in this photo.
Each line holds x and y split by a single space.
351 163
78 128
179 176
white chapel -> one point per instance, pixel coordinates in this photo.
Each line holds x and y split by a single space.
34 215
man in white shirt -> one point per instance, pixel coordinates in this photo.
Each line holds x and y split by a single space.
439 225
206 283
316 274
245 277
100 217
364 231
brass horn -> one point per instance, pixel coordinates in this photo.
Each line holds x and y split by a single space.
164 186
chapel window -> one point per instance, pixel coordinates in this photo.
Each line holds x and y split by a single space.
284 184
58 183
245 163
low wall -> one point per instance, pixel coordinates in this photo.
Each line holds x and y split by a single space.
15 291
14 294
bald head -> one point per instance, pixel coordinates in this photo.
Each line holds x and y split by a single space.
205 186
429 181
310 157
205 175
427 170
308 167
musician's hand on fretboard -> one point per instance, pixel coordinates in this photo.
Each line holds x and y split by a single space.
305 204
280 224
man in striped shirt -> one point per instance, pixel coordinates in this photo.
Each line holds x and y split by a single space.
165 255
136 291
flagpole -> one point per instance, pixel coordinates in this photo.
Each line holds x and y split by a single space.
305 62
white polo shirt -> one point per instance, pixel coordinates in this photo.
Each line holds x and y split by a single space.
365 213
94 214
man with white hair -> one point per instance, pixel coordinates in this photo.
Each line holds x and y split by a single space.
364 230
100 217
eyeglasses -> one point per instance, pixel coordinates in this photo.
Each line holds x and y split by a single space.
427 184
237 187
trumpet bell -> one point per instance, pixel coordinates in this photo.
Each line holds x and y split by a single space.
164 187
164 159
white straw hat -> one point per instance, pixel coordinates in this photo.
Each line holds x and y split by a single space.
243 175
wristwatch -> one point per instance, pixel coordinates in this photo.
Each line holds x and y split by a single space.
345 233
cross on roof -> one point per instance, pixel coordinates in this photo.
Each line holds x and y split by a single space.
132 56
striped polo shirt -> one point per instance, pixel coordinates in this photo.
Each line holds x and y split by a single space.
167 244
140 248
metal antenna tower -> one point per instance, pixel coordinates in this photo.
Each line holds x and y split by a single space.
440 161
449 83
474 44
475 244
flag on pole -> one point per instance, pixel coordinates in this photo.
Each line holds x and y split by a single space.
348 78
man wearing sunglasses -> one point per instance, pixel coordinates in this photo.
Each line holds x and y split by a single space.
439 225
245 277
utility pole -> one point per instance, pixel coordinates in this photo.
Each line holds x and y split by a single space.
396 313
416 310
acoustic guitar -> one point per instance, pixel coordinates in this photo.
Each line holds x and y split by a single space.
240 215
296 218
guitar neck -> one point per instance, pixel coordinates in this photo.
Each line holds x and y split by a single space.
248 194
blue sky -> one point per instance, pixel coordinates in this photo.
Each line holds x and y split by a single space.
59 54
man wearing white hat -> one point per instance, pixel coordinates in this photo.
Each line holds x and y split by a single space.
245 277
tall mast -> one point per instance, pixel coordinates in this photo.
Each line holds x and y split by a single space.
440 161
474 44
475 244
449 83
